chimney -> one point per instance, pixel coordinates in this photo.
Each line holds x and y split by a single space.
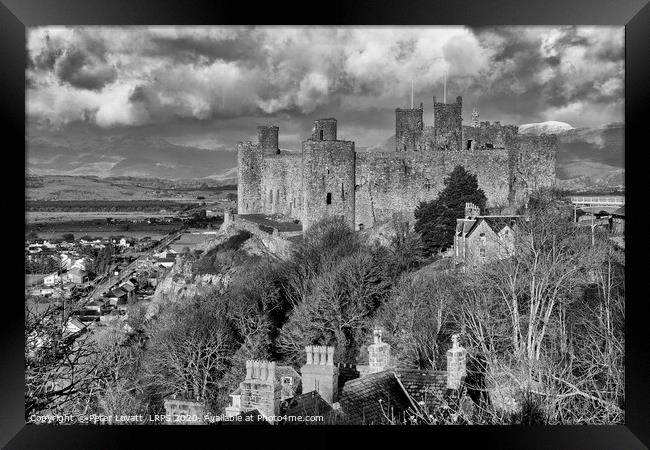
378 354
260 390
456 365
319 373
472 211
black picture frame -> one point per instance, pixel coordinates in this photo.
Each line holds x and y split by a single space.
15 15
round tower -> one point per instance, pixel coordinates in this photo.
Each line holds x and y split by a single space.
250 158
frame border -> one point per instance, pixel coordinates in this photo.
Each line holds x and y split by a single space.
16 15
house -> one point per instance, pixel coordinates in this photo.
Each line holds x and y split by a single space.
34 279
276 382
74 325
122 306
378 393
95 305
479 239
166 262
52 279
76 276
130 289
114 295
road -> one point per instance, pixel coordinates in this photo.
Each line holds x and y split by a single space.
128 271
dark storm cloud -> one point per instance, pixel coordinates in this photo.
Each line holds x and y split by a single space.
78 69
242 46
231 78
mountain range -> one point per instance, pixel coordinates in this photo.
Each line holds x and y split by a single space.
588 158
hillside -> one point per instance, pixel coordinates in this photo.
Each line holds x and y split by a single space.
135 156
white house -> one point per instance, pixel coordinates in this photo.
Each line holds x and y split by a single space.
52 279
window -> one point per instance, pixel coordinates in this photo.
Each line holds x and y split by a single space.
287 380
488 145
329 198
271 196
482 252
321 135
360 227
469 144
342 192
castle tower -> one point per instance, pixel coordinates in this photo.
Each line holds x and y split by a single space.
408 129
250 159
328 171
448 124
324 130
320 374
378 354
267 139
475 118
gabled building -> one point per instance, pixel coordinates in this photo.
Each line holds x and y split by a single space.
479 239
378 393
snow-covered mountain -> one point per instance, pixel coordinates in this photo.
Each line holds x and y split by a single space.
550 127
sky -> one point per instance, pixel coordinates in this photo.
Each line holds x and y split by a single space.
210 87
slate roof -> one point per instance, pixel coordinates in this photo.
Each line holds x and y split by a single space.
116 292
369 399
127 287
495 222
426 386
463 226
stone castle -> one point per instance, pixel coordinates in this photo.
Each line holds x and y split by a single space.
330 178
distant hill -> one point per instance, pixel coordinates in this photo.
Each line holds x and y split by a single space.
587 158
147 157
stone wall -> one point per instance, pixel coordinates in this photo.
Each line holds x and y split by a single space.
328 180
534 161
281 185
365 188
389 183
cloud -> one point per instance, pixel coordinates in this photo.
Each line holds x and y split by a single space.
109 77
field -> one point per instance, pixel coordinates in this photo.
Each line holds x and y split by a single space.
61 188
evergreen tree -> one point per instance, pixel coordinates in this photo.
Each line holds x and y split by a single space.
436 219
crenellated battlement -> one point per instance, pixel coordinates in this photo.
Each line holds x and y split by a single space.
330 178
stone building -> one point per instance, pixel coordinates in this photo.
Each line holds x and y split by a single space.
328 177
373 394
479 239
263 389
